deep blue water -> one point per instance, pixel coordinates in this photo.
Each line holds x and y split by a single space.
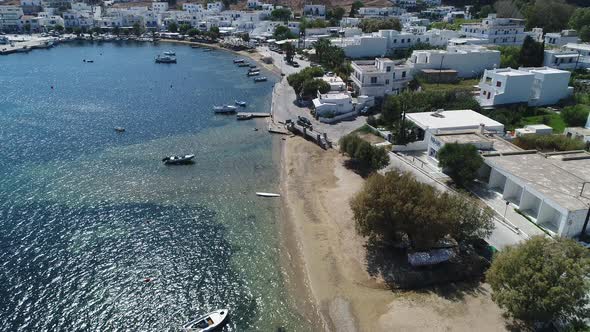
88 215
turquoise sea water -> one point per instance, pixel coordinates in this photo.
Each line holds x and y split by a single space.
88 215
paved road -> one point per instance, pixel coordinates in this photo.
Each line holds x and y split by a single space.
502 235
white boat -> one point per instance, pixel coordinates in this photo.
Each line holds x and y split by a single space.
225 109
260 79
239 61
253 73
165 59
207 322
119 129
179 160
241 103
267 194
169 53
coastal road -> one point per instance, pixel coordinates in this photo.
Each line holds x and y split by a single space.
279 61
502 235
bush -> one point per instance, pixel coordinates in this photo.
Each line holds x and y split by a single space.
542 280
368 157
397 203
548 143
374 25
460 161
576 116
305 84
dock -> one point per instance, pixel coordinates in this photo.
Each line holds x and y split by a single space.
253 114
320 139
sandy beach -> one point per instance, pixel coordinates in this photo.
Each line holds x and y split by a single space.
331 258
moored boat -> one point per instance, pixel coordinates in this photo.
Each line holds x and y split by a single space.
165 59
260 79
253 69
208 322
119 129
261 194
239 61
240 103
179 160
253 73
169 53
244 64
225 109
244 116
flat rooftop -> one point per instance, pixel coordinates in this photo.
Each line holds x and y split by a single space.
473 137
558 176
460 119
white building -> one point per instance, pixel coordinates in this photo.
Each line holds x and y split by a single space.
10 18
215 7
567 60
333 104
380 11
335 82
30 7
468 61
380 77
497 31
314 11
159 7
193 8
29 23
582 49
534 86
429 124
537 129
546 187
561 38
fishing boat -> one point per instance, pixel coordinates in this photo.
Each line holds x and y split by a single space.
267 194
244 64
207 322
208 50
253 73
240 103
165 59
179 160
260 79
252 66
119 129
225 109
169 53
253 69
239 61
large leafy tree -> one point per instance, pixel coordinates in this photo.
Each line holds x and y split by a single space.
542 280
551 15
282 32
280 14
374 25
368 157
531 53
172 27
397 202
354 8
289 51
580 21
330 56
460 161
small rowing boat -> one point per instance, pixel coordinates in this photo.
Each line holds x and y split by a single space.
240 103
267 194
208 322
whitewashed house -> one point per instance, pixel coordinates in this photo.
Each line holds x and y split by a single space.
468 61
333 104
193 8
380 11
497 31
10 18
533 86
548 187
583 49
563 59
159 7
561 38
380 77
314 11
31 7
29 22
215 7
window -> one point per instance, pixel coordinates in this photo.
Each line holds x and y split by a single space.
373 80
393 75
498 84
386 82
395 41
388 69
403 74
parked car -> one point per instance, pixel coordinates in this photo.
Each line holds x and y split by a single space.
295 64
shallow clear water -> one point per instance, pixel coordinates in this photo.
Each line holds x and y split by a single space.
88 215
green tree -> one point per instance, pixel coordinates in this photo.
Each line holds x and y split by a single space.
280 14
335 13
192 32
214 32
397 202
509 56
542 280
551 15
312 86
289 50
354 8
548 143
58 28
460 161
391 110
282 32
580 18
184 28
137 29
330 56
485 11
585 33
172 27
303 81
531 53
374 25
116 31
367 157
575 116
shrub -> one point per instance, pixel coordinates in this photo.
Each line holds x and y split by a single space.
575 116
368 157
548 143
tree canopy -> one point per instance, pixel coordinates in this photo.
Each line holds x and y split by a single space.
330 56
575 116
282 32
374 25
280 14
172 27
460 161
354 8
542 280
580 21
551 15
397 203
531 53
368 157
304 82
